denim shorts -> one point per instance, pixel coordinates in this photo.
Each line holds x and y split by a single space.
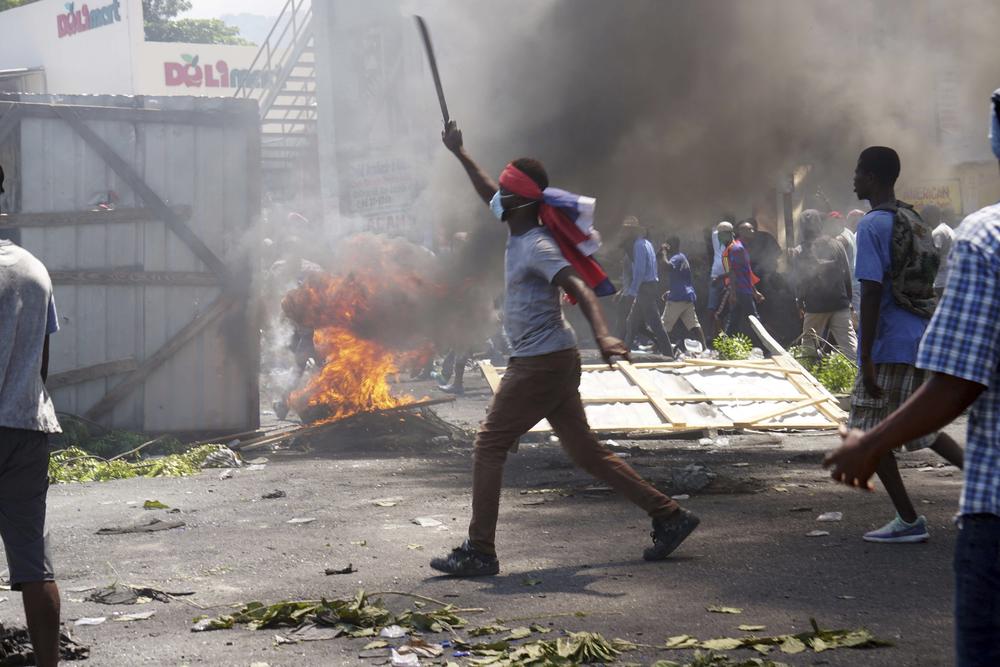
24 483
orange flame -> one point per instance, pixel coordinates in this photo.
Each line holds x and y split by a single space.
353 378
355 370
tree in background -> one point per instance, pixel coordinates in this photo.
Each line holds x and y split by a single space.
162 24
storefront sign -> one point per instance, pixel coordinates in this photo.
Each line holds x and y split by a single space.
943 194
83 19
193 74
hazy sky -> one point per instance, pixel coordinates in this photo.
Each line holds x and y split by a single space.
215 8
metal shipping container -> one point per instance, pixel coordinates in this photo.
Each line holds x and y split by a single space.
144 210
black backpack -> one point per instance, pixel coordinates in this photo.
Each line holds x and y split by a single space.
915 260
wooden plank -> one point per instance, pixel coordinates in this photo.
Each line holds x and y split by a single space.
113 276
806 383
753 363
766 365
666 429
94 372
128 174
779 411
609 369
491 375
66 218
146 368
664 409
770 366
694 398
255 320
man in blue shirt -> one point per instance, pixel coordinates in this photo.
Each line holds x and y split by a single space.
643 289
890 335
681 297
961 351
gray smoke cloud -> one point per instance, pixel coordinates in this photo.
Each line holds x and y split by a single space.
678 110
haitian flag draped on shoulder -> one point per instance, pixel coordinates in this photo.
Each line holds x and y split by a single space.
570 219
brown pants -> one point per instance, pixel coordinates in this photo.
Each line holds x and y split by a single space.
532 389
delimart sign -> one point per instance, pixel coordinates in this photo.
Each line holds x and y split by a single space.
83 19
191 72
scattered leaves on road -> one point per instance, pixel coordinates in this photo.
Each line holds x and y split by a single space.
818 640
138 616
715 609
76 465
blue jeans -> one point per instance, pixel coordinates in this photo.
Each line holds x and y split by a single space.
977 591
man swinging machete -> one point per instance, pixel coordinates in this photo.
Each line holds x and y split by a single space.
549 249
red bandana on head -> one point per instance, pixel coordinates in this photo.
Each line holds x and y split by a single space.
565 232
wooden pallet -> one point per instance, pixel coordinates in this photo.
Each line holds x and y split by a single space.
777 393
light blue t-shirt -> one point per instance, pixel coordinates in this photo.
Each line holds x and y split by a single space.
899 331
532 311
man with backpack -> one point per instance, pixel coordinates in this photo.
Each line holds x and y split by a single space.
896 266
823 288
961 353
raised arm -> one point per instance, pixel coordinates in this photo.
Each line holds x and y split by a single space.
571 282
485 186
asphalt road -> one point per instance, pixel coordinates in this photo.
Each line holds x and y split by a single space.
580 550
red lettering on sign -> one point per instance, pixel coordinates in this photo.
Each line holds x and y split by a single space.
174 74
223 68
210 80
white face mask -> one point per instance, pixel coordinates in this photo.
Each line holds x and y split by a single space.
496 205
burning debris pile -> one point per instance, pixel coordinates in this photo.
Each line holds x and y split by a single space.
380 314
355 371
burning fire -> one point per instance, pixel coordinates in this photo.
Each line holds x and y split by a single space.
355 369
354 377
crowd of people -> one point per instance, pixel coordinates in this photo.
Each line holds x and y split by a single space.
810 289
925 299
929 348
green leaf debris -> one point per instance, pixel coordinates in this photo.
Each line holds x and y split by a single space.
76 465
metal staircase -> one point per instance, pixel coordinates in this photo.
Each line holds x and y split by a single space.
283 81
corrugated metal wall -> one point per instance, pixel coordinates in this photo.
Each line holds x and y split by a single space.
211 383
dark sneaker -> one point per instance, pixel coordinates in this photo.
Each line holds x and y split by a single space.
453 388
669 532
467 562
